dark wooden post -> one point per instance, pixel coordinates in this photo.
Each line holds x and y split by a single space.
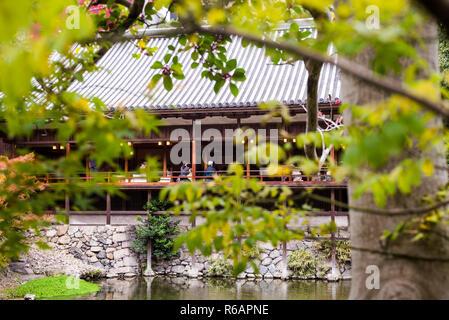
193 268
335 271
193 160
87 169
149 271
67 203
165 163
284 260
67 198
126 170
108 208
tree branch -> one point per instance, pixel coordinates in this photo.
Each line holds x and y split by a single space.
350 67
346 65
383 212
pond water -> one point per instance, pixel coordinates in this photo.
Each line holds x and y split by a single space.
178 288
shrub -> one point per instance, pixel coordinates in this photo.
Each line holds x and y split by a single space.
302 263
158 229
253 252
156 205
342 251
219 267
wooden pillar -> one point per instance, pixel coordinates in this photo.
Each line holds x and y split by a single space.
67 198
284 260
149 271
149 268
87 169
333 234
248 170
67 203
193 273
164 174
193 160
108 208
126 170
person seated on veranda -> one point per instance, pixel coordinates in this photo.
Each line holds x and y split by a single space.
189 176
210 170
297 175
328 176
184 172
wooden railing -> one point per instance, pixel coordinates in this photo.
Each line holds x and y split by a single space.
176 177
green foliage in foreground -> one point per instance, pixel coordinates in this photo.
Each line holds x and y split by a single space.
53 287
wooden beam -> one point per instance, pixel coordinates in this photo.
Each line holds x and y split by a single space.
126 170
164 168
67 203
148 196
108 208
67 150
333 257
193 160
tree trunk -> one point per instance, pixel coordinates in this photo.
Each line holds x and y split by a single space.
314 70
407 270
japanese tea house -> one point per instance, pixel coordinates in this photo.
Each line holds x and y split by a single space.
122 81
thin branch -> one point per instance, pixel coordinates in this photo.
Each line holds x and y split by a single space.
384 212
400 255
346 65
350 67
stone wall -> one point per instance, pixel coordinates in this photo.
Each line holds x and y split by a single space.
108 248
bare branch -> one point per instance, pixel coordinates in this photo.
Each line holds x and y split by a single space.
384 212
356 70
350 67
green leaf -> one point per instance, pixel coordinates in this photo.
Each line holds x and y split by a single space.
234 89
218 85
168 84
157 65
167 57
182 40
239 75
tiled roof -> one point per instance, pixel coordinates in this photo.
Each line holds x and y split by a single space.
123 80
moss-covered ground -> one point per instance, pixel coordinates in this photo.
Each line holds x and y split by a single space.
49 287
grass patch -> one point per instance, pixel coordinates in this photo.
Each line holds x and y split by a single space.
53 287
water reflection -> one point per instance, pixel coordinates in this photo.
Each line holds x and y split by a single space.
179 288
